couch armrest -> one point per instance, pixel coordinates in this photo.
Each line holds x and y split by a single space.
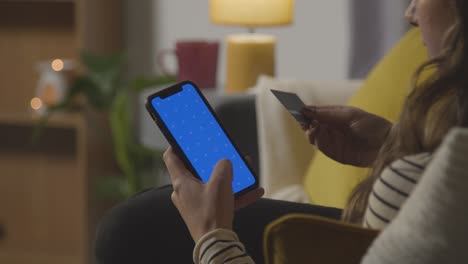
284 151
298 238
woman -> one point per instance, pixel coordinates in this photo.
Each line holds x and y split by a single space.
397 153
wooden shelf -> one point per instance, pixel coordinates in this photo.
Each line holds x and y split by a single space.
54 214
59 120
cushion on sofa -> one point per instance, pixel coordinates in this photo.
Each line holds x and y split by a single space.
329 183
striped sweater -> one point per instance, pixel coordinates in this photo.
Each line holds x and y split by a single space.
392 189
220 246
389 193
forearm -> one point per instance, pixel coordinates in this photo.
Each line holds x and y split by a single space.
220 246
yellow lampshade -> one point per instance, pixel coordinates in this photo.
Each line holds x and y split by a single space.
252 13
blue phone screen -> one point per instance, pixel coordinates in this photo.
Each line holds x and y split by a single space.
200 136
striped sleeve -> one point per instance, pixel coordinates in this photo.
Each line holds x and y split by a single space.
220 246
431 226
392 189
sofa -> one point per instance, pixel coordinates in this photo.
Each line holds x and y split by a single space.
291 169
430 227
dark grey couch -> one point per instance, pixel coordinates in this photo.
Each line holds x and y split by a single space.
238 116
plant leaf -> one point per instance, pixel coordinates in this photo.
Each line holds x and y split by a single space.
41 123
105 72
144 156
101 63
112 188
121 136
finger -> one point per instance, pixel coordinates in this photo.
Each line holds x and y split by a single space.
314 108
309 109
176 167
249 198
327 141
314 124
307 113
312 135
325 136
222 172
174 199
331 115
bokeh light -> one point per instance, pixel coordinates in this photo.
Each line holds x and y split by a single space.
36 103
57 65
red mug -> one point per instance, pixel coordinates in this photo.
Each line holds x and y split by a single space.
197 61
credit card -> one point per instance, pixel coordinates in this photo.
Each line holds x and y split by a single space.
293 104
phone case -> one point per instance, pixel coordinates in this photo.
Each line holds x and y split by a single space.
167 134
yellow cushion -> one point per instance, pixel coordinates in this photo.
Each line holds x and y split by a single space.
300 239
329 183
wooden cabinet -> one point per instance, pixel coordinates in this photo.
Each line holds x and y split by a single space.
48 206
48 210
43 193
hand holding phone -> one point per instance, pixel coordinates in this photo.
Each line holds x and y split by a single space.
190 125
215 196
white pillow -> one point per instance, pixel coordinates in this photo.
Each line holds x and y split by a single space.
285 153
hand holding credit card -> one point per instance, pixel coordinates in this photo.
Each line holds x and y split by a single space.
293 104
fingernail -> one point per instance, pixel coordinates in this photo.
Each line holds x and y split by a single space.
226 163
310 110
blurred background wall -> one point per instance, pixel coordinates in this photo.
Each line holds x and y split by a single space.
330 39
375 26
315 46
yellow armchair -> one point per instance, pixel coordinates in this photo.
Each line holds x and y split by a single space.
309 239
430 227
290 168
383 93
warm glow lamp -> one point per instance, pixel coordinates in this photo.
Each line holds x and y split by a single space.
250 55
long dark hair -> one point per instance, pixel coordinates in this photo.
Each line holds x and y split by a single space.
433 107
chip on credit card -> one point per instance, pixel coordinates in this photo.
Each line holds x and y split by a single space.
293 104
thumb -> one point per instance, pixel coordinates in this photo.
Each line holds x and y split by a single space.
331 115
222 172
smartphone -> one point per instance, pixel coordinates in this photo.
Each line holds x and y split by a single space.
194 131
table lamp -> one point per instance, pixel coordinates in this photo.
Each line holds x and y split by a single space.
250 55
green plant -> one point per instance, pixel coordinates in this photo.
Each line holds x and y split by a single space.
104 88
